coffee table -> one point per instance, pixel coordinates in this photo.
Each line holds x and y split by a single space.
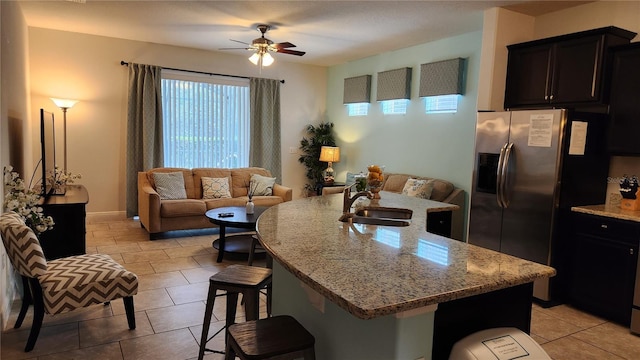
235 244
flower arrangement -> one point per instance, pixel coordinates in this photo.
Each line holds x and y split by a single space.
251 189
25 202
60 178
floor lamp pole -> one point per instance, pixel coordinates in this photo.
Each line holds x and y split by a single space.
64 120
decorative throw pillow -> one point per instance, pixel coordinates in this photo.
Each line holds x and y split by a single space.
215 188
261 185
418 188
170 186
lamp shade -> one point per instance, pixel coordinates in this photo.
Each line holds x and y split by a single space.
267 59
330 154
64 103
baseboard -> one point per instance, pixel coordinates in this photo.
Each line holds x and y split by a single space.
96 217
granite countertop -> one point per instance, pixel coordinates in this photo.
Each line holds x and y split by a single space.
372 271
608 211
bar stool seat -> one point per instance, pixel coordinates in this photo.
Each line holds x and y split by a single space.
278 336
235 279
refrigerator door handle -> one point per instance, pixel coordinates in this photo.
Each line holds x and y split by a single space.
499 182
503 175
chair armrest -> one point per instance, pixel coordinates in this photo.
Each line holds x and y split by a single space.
148 204
284 192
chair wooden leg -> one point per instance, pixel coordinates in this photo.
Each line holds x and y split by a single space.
38 314
26 301
129 309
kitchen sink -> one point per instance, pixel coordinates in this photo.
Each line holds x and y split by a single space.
387 213
379 216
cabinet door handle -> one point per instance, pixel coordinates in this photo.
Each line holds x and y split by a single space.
594 75
604 226
631 251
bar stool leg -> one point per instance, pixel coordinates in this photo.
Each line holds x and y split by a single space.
211 298
251 304
232 302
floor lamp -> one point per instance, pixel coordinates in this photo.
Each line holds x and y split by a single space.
64 104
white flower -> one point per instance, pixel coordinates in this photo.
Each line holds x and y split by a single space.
25 202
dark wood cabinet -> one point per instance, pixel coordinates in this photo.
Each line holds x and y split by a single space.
603 266
625 101
67 238
569 70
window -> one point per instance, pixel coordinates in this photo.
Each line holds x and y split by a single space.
441 104
205 120
359 109
394 107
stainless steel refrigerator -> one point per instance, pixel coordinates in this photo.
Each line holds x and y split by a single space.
530 168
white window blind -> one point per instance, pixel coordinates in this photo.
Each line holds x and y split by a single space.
394 107
441 104
205 120
358 109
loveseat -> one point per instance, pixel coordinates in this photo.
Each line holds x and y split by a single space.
443 191
158 214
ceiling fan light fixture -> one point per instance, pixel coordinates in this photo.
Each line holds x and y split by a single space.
255 58
267 59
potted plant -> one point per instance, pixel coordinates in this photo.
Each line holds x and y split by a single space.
310 145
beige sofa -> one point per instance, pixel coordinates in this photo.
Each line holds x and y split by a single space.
443 191
158 216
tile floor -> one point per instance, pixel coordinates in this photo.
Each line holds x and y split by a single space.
170 304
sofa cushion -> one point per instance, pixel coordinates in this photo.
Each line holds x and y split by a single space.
215 188
199 173
224 202
180 208
186 173
395 183
240 179
262 185
418 188
170 186
267 200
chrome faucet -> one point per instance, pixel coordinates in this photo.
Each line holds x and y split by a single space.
348 200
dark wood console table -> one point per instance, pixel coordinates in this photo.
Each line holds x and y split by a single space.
68 235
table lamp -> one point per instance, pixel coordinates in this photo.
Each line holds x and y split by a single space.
329 154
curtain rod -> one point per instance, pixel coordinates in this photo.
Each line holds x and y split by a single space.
124 63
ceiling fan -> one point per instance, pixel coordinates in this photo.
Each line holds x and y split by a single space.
262 46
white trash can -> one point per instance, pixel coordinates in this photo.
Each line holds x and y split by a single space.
505 343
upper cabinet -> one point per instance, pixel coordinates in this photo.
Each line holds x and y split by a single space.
624 109
568 70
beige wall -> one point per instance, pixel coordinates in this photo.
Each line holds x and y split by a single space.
14 121
87 68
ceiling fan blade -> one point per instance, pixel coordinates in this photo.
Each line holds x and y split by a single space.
241 42
244 48
291 52
283 45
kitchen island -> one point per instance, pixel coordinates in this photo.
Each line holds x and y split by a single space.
382 292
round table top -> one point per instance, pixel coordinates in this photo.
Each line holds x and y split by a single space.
239 217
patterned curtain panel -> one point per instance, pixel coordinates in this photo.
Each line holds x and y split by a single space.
265 125
144 127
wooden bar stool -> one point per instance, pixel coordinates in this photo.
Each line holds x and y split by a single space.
279 336
235 279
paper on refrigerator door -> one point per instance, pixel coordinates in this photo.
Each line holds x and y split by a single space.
540 130
578 140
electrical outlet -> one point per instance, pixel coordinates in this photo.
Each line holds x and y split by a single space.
293 150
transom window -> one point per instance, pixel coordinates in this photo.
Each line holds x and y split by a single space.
441 104
358 109
394 107
205 120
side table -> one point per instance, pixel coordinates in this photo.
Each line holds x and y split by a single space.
67 238
235 244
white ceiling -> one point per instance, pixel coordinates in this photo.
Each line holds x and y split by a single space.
331 32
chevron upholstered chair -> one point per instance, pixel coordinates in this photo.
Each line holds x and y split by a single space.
63 284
